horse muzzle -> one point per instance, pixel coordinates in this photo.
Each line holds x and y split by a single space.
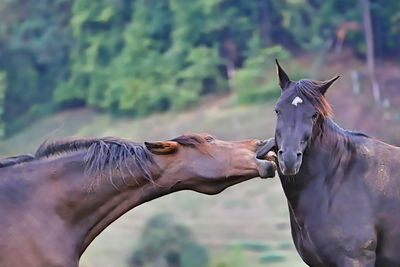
266 167
289 162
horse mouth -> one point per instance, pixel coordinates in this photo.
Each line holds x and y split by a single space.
271 156
286 172
268 165
289 173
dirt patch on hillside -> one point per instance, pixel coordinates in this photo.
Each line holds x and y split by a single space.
360 112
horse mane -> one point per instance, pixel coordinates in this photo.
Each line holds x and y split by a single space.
337 128
102 153
309 89
15 160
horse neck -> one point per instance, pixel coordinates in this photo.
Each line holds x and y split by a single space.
320 161
110 206
88 213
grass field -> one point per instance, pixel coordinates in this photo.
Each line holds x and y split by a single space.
254 211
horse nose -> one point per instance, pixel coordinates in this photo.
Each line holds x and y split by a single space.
290 155
289 161
261 142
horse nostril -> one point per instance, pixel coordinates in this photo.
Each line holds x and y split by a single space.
280 152
299 154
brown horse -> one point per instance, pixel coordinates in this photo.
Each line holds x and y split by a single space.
53 204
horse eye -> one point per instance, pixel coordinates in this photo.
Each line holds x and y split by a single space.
315 115
277 111
209 139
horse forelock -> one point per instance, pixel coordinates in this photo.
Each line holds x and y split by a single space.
309 89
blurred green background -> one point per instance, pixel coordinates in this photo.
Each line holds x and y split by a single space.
154 69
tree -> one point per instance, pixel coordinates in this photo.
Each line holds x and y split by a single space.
3 87
34 43
369 39
97 28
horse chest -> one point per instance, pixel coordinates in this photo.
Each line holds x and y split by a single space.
323 228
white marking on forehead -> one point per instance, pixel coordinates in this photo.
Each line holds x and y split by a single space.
297 100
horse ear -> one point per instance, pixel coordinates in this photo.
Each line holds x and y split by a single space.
326 84
162 147
284 80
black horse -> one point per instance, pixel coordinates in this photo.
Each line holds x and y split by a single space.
342 187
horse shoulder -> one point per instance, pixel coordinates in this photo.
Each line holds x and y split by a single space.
381 167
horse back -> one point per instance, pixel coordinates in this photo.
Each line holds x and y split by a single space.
382 174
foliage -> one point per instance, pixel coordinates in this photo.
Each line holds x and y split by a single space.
386 20
140 56
164 242
152 62
34 48
250 83
313 23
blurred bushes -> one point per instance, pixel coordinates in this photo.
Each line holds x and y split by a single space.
35 42
155 58
140 56
251 82
164 242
